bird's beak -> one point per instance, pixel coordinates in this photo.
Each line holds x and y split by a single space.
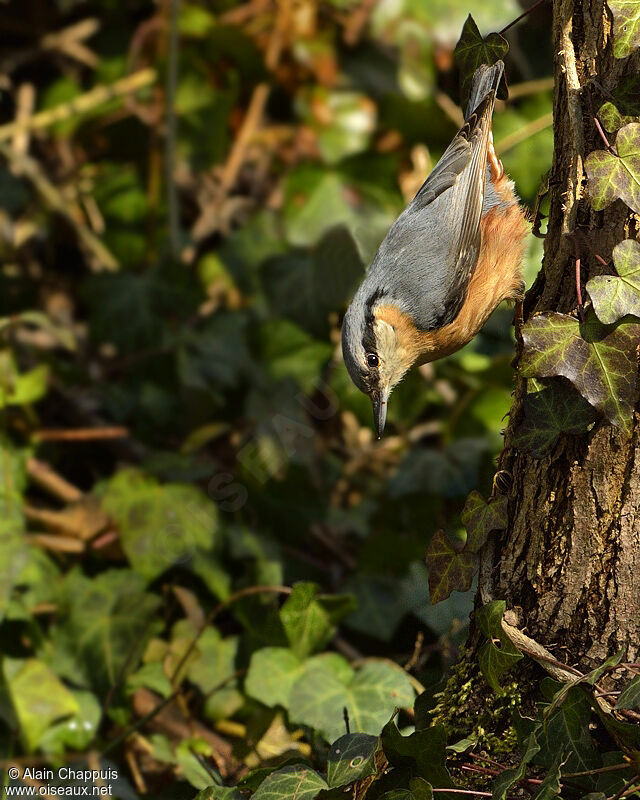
379 401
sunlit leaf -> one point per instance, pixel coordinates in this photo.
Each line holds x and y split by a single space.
449 569
160 525
296 782
613 177
309 618
626 26
612 119
38 698
613 296
599 360
550 411
369 694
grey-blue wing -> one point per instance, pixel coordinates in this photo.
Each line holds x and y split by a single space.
427 258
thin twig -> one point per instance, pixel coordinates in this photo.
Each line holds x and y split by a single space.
42 474
80 434
522 16
576 248
79 105
52 197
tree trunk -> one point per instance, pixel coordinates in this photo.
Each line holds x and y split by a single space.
568 566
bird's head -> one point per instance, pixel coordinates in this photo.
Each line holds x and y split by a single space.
378 348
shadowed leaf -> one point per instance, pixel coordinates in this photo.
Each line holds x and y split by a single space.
555 409
613 296
480 518
613 177
503 782
626 26
449 569
473 50
351 758
630 695
309 619
599 360
495 661
218 793
422 752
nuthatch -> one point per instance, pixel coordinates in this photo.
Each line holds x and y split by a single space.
448 260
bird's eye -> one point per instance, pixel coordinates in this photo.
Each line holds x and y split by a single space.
372 359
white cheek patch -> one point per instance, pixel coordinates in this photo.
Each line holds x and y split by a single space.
386 340
393 357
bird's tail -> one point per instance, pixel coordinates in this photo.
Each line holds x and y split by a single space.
485 80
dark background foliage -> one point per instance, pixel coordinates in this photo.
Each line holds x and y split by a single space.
182 226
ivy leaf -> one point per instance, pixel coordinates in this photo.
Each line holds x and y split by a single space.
272 673
370 696
309 619
422 752
567 731
550 786
612 119
160 525
351 758
495 661
613 177
503 782
613 296
218 793
630 695
473 50
418 789
449 569
295 782
552 410
480 518
38 698
627 94
599 360
626 26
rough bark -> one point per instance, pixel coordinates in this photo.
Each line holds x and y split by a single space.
568 566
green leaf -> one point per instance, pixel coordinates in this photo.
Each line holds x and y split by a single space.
288 351
351 758
423 752
370 696
554 409
296 782
418 789
495 661
472 50
630 695
598 360
616 297
503 782
213 673
626 26
77 731
567 731
160 525
309 618
613 177
480 518
307 287
14 553
38 698
612 119
272 674
550 786
219 793
105 622
20 388
342 121
449 569
627 94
